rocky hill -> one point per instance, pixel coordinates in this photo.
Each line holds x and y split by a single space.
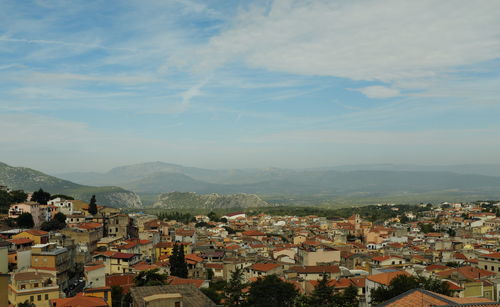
183 200
30 180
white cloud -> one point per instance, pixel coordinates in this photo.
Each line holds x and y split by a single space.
377 91
385 40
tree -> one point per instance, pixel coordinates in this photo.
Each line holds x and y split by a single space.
322 294
178 265
93 206
40 197
150 278
234 288
18 196
26 304
57 223
271 291
213 216
403 283
349 297
25 220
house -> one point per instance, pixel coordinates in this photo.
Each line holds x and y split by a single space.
263 269
170 296
185 235
38 236
385 261
490 262
117 262
308 255
35 287
94 274
380 280
314 272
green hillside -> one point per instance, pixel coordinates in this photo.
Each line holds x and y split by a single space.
30 180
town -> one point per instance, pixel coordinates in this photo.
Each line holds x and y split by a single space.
57 251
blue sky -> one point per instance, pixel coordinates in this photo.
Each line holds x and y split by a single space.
89 85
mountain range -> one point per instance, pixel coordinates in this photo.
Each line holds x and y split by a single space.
354 183
31 180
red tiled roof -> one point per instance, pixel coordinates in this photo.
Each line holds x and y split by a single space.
264 267
193 257
93 267
385 278
185 281
492 255
123 280
218 266
164 244
79 301
20 241
89 225
383 258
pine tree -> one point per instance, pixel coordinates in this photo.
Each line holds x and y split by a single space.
40 197
178 265
93 206
234 289
183 270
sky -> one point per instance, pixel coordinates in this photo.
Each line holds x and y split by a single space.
90 85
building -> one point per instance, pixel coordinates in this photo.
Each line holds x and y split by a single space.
314 272
490 262
52 259
35 287
117 262
37 236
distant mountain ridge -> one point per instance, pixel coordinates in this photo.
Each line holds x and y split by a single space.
30 180
178 200
378 181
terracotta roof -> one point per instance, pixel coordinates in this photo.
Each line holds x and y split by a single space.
492 255
79 301
424 298
143 266
385 278
89 225
164 244
20 241
193 257
93 267
218 266
468 272
435 267
264 267
185 281
315 269
383 258
123 280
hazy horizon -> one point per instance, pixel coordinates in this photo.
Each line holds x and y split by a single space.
87 86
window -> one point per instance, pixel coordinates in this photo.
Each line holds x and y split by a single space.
39 297
485 267
394 262
177 304
46 296
32 298
36 285
23 287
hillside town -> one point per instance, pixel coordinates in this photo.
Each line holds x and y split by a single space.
101 256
